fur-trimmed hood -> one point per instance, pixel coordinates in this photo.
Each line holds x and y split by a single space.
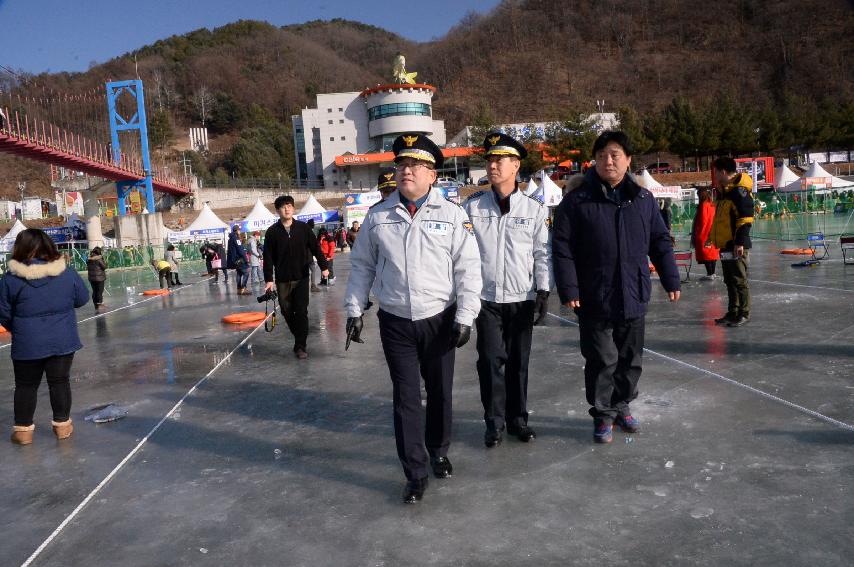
37 270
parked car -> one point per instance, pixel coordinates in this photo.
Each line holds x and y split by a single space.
660 167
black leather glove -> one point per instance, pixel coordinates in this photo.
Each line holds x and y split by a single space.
460 335
541 306
354 331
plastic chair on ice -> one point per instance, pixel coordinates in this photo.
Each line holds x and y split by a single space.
818 244
684 261
846 242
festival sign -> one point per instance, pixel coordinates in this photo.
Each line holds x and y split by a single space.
670 191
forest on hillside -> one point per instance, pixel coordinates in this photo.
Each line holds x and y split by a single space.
747 76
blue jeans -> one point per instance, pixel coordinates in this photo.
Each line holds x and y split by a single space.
242 277
256 275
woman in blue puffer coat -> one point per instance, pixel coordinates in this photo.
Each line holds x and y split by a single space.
38 296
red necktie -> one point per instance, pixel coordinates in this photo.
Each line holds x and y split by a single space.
412 209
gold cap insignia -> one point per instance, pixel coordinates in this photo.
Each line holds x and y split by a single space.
409 140
493 140
388 175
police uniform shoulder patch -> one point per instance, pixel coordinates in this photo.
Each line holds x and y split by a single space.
475 195
469 227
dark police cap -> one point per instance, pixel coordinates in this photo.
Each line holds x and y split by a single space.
500 144
386 180
417 146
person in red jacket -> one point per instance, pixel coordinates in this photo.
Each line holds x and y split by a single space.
327 247
704 250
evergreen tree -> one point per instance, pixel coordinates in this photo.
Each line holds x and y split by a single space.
160 129
633 125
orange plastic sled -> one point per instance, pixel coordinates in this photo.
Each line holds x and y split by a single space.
245 317
796 251
156 292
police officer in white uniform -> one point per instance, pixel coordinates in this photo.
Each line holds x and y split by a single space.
422 251
513 238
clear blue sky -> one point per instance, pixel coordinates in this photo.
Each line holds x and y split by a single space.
68 35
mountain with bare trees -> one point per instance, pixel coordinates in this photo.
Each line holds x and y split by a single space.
691 77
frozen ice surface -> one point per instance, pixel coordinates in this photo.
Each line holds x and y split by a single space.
330 494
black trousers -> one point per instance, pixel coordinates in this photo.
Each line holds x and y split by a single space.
293 301
97 292
416 350
28 376
504 347
710 267
165 277
613 356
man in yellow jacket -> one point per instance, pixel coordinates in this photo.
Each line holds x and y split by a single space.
163 270
731 234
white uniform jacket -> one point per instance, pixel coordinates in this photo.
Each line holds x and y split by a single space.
422 265
514 248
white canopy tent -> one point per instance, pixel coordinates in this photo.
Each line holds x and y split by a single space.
547 192
207 226
815 170
8 240
311 207
258 218
16 229
207 219
784 176
647 181
532 187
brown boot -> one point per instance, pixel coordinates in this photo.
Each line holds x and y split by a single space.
63 429
23 434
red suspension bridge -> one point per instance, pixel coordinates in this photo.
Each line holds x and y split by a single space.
38 140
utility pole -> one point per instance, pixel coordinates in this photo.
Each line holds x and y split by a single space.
22 185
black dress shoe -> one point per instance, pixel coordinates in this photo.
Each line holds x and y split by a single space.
522 432
493 438
442 467
414 490
741 321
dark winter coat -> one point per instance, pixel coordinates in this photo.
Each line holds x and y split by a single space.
290 254
96 268
236 256
600 249
37 303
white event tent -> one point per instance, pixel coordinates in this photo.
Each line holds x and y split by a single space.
548 193
259 218
207 226
313 210
815 170
784 176
8 240
647 181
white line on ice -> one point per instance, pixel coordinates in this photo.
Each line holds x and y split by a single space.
128 306
135 450
802 285
757 391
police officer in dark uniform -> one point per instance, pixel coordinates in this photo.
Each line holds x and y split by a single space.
421 250
513 238
386 184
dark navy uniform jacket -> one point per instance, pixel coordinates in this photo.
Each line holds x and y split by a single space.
601 247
